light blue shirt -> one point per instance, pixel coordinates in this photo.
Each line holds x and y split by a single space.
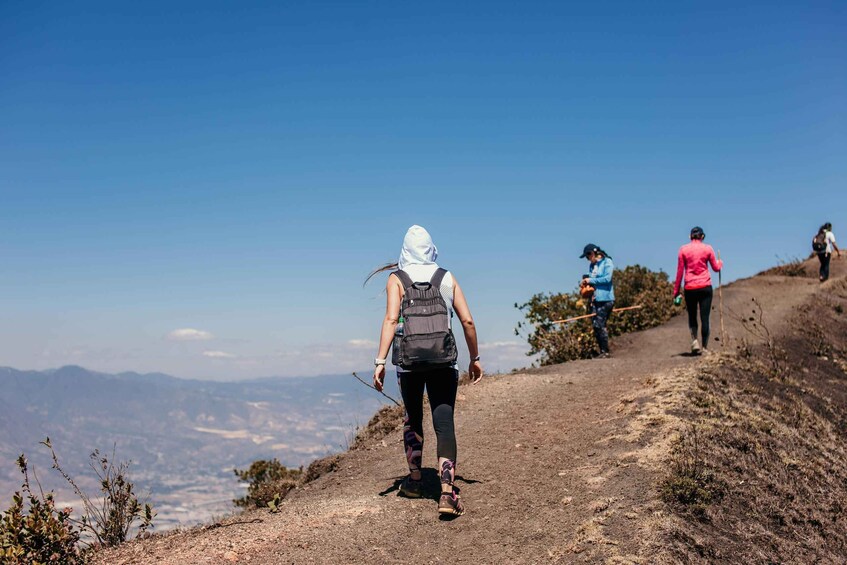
600 277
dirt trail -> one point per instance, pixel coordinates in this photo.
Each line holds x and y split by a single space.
555 464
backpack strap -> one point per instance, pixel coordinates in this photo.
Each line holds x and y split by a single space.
437 277
405 279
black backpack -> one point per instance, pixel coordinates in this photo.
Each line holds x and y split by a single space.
426 341
819 242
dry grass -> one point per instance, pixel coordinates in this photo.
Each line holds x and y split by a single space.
789 268
772 446
387 419
691 484
320 467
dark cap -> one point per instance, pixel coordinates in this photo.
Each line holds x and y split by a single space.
697 233
590 248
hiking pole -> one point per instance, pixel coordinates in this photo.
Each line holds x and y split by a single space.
720 301
592 315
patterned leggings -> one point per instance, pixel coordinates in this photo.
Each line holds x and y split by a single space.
601 310
441 385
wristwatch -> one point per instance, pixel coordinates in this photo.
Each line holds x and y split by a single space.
475 358
378 361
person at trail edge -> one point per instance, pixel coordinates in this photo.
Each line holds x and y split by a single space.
823 244
693 264
438 296
603 299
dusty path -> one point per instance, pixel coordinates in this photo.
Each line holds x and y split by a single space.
556 464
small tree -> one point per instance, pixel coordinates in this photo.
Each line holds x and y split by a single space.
557 343
33 531
269 481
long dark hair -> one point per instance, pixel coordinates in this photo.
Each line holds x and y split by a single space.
386 267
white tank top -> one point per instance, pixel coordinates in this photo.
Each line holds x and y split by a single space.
423 273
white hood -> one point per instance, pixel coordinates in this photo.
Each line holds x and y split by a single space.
418 248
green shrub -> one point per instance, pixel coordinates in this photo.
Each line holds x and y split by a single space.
38 533
268 481
557 343
33 531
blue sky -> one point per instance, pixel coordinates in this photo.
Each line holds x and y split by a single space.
237 169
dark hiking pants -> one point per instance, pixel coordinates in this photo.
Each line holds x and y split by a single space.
824 259
602 310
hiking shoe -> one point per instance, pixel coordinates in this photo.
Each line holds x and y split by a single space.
411 488
695 347
450 503
604 355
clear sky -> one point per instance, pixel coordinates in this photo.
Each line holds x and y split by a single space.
237 168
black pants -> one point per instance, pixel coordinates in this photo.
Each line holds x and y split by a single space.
441 387
602 310
824 259
700 298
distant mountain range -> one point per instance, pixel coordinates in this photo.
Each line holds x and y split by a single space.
184 437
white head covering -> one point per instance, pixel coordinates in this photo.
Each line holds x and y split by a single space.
418 248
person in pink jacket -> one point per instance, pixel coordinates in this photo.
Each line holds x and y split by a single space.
693 264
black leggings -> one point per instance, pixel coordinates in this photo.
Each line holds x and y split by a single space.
702 298
441 387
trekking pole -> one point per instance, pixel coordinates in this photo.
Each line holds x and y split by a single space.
720 301
592 315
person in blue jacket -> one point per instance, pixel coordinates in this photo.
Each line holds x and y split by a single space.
603 301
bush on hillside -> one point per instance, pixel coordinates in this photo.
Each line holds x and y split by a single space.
33 531
557 343
268 481
110 517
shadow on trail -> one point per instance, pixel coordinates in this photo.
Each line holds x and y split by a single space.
431 484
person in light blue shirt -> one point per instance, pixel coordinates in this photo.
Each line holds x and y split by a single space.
603 300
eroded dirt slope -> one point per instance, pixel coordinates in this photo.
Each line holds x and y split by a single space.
559 464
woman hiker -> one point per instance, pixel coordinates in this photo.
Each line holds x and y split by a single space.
693 264
823 244
603 301
421 300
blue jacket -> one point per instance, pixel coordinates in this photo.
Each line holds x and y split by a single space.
600 277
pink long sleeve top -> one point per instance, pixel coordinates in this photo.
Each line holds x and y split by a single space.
693 263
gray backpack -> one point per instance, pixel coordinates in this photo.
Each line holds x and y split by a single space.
426 340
